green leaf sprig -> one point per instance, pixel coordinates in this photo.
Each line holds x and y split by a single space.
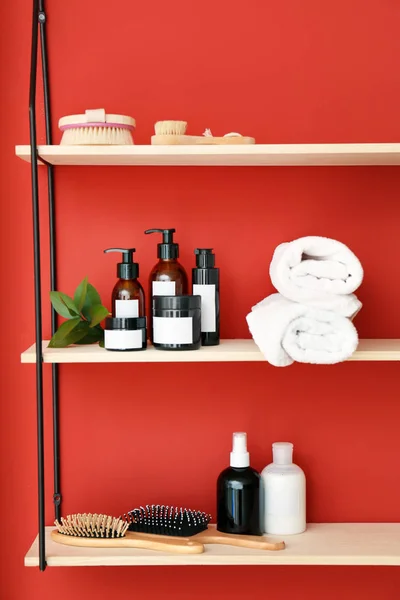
84 312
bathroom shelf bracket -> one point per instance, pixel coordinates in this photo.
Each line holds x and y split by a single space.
43 161
53 256
39 31
37 280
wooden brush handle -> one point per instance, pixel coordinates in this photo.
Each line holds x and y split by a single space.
133 540
195 140
212 536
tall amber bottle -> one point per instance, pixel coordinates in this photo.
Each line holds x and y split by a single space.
168 277
127 296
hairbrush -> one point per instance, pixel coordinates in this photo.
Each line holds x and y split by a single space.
169 521
103 531
169 133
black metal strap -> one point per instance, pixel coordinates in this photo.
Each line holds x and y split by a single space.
53 255
37 278
42 160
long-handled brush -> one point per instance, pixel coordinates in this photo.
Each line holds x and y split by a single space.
103 531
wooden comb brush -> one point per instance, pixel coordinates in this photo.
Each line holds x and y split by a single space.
103 531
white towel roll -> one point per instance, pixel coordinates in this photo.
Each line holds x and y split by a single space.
287 331
319 272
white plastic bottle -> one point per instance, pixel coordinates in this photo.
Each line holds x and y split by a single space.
284 486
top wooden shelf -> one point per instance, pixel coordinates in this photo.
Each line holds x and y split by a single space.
251 155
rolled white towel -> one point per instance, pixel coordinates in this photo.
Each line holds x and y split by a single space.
287 331
319 272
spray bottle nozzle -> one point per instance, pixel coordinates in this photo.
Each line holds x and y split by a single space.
127 269
167 249
239 456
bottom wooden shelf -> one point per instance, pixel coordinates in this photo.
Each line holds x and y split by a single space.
321 544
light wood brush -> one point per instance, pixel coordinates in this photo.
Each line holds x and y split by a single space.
103 531
173 133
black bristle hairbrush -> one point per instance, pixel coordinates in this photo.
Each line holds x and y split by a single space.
163 520
167 520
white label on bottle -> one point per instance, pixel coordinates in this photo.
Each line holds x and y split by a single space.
164 288
283 497
208 316
127 308
173 331
123 339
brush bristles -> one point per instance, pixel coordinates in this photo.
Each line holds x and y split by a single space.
170 127
167 520
91 526
97 136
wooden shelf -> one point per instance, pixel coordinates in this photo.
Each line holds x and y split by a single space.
227 351
321 544
251 155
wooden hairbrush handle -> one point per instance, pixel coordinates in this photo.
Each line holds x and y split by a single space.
133 540
195 140
212 536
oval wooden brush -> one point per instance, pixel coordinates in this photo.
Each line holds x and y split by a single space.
161 520
103 531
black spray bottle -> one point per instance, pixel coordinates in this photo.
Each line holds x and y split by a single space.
238 493
206 284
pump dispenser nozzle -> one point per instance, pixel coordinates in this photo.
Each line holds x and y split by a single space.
240 458
127 269
167 250
205 259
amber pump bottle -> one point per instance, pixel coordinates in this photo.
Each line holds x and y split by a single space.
168 277
127 296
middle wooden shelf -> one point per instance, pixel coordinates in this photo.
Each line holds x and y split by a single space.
227 351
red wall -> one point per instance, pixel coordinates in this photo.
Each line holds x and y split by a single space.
284 72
